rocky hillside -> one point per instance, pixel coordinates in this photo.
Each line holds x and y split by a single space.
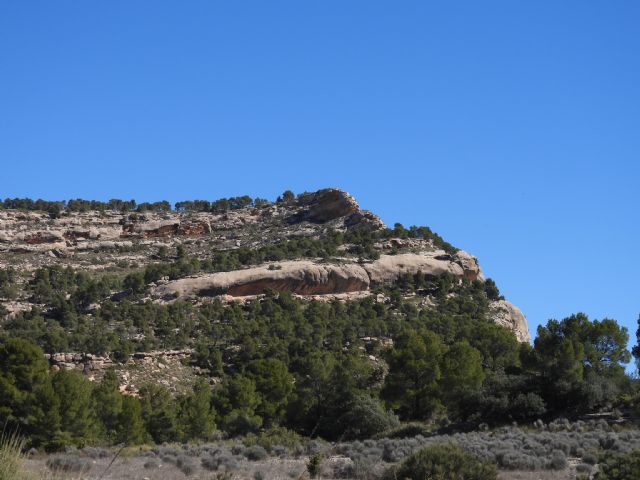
100 288
108 241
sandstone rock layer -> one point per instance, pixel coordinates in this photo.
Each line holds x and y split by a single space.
306 277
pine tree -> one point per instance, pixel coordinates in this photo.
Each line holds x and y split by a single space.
130 427
77 407
27 401
159 413
108 403
196 416
414 371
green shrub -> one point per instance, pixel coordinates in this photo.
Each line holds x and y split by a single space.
442 461
619 466
366 417
315 465
255 453
68 463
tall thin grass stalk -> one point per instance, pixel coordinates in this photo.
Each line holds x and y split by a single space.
12 461
11 456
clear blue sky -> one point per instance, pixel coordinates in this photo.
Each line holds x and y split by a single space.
511 128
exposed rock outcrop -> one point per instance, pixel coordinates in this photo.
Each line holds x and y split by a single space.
508 315
327 204
166 228
305 277
470 265
40 237
388 268
332 204
301 277
117 242
164 367
36 232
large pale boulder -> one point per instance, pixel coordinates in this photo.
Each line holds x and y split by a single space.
508 315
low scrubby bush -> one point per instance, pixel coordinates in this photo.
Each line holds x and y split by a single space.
583 468
95 453
315 465
442 461
151 464
255 453
68 463
220 458
186 465
558 461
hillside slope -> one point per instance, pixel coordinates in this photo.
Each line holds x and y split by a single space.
108 241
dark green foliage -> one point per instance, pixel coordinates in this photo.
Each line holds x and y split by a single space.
366 417
581 361
287 197
274 384
28 403
134 283
74 205
315 465
196 417
286 362
130 428
159 413
236 400
162 206
443 461
619 466
491 289
80 205
8 288
414 371
636 348
29 204
77 409
218 206
255 453
462 375
108 402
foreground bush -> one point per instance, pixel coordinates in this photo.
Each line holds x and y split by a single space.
443 461
619 466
